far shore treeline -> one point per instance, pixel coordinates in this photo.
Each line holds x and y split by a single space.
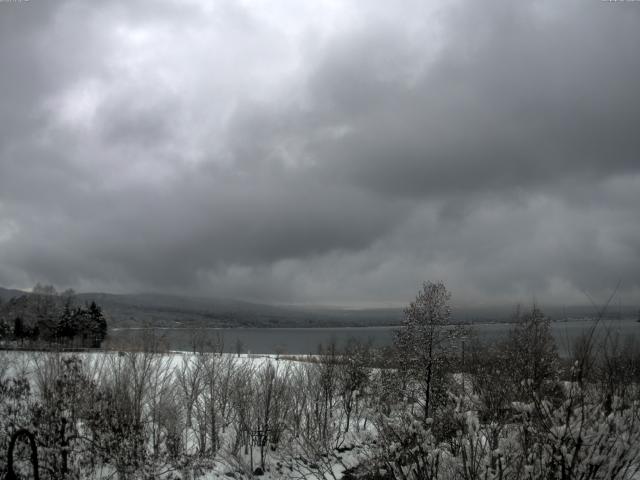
47 317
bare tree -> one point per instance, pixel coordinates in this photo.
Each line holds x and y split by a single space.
424 344
353 378
271 406
532 353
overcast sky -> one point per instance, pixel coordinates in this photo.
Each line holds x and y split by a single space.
322 152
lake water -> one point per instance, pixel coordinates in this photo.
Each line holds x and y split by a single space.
307 340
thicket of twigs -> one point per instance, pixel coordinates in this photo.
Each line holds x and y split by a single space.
421 410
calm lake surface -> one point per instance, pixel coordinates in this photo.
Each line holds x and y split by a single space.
307 340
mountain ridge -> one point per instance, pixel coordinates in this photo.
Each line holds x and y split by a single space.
168 310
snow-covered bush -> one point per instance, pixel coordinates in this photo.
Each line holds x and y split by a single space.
406 448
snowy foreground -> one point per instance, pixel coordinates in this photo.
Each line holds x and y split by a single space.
228 414
184 415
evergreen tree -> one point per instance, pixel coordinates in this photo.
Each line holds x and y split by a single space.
84 325
98 324
19 329
67 327
5 330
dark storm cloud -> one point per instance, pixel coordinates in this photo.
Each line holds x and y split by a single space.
339 153
513 99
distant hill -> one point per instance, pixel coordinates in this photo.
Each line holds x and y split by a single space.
7 294
184 311
134 310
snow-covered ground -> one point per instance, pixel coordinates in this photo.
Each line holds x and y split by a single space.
296 458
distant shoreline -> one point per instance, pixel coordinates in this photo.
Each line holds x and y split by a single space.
370 327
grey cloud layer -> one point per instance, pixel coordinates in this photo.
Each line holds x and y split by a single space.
334 154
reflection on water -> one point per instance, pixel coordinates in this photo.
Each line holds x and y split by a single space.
307 340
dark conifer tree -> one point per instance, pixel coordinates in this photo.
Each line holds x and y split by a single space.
98 324
67 327
19 330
